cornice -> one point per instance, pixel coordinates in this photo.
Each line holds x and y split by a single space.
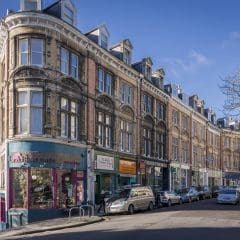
45 21
150 87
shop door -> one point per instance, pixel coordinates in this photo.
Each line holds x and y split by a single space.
2 210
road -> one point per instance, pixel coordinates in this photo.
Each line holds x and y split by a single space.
201 220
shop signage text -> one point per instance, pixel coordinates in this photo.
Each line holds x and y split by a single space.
105 162
40 157
127 167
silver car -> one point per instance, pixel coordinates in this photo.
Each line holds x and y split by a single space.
168 198
230 196
130 200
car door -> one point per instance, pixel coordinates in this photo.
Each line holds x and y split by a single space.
134 199
172 197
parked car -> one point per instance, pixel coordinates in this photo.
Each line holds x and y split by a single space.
204 192
216 190
230 196
130 200
168 198
188 194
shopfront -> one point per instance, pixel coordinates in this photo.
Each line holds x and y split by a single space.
154 173
127 172
106 174
45 178
231 178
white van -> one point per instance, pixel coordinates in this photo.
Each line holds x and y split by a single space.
131 199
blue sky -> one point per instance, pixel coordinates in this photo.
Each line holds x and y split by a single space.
197 42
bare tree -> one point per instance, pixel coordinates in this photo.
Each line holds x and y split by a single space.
231 89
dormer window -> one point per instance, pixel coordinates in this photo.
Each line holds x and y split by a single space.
31 5
103 41
126 56
68 15
148 72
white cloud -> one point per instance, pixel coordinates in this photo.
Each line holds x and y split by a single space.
188 64
232 40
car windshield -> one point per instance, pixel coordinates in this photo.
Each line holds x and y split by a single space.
121 194
228 192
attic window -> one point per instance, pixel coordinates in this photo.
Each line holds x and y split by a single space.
30 5
126 56
104 41
68 15
148 72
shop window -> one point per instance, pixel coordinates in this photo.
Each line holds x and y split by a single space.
19 188
29 112
69 191
31 51
2 172
41 190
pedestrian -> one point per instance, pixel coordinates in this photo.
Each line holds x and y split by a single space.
102 202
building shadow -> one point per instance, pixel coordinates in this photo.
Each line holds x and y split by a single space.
145 234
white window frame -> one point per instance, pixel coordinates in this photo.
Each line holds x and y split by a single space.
28 107
126 94
29 51
66 64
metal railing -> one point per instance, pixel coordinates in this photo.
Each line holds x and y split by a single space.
82 210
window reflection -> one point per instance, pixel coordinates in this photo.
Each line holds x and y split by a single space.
41 194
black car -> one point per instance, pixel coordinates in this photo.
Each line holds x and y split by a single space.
204 192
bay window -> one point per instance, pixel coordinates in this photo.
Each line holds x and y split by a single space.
31 51
29 112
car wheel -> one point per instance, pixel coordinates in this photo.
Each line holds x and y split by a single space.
180 202
150 207
131 209
169 203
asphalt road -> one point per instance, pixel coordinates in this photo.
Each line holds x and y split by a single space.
201 220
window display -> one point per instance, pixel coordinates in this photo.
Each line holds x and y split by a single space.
41 191
19 189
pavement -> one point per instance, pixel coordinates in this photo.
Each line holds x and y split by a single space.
51 225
